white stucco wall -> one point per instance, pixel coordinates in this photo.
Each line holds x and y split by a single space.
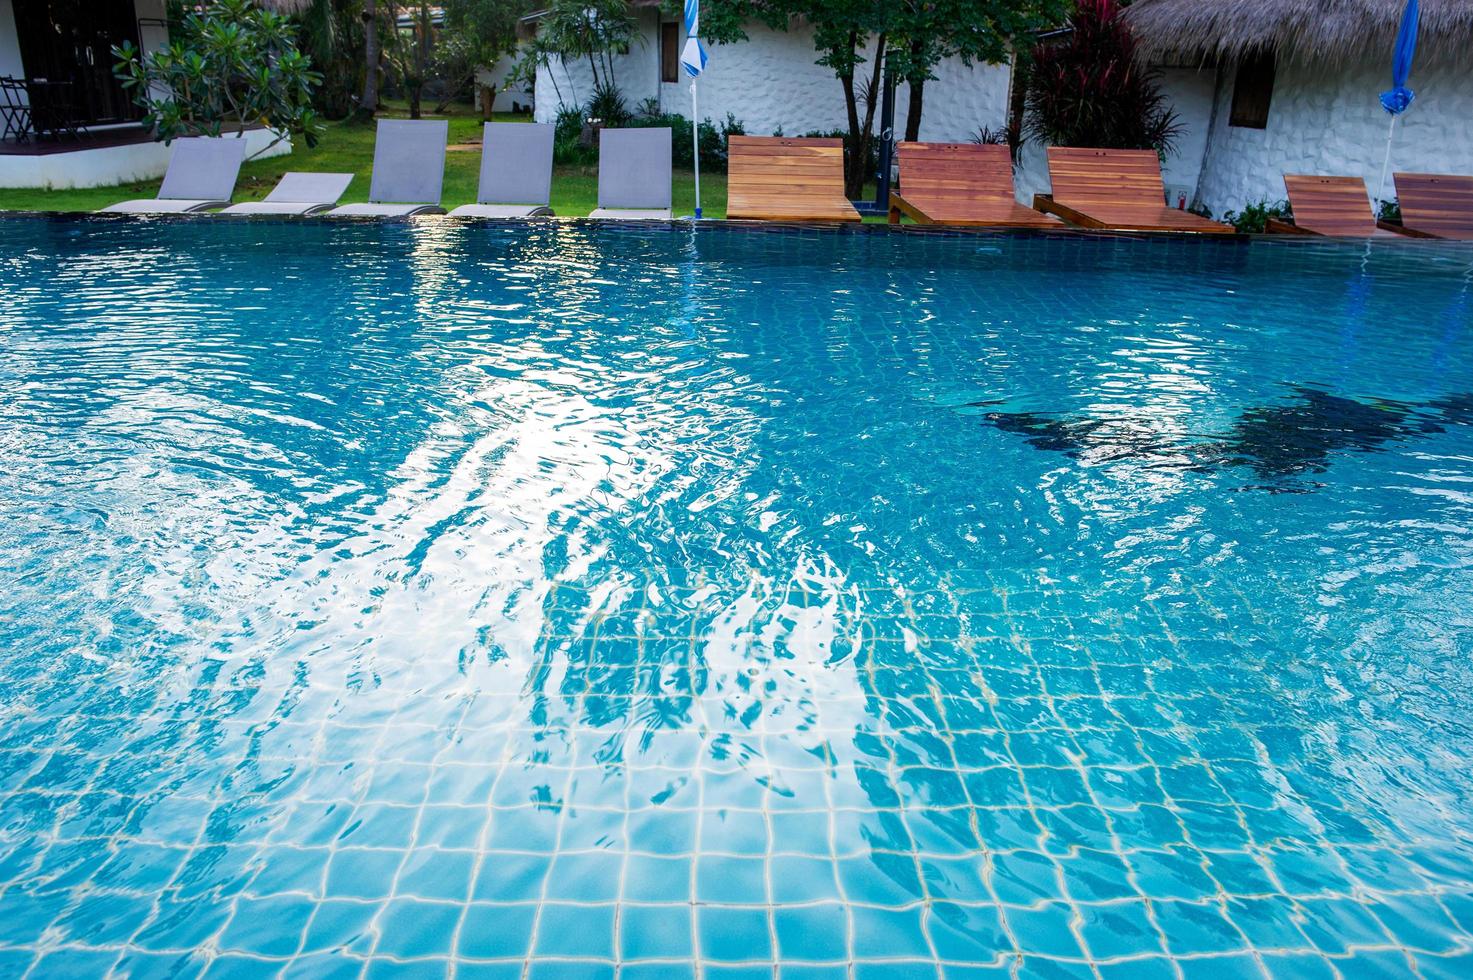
10 63
1326 120
1191 91
107 166
770 83
506 98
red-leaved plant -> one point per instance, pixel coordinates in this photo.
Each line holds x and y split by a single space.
1089 89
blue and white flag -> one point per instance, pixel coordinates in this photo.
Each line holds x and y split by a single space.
693 57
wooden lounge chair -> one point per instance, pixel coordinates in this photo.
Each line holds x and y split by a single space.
1116 189
775 178
1338 207
961 184
1436 205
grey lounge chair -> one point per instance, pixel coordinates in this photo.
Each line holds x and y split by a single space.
516 172
408 170
298 193
201 176
634 174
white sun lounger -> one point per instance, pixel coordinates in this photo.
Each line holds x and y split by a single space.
201 177
634 174
408 170
298 193
516 172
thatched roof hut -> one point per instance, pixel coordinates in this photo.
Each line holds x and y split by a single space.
1318 30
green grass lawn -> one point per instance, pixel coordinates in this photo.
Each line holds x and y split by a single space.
346 147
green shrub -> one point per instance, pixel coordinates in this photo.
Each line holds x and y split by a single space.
608 106
713 139
567 145
1253 219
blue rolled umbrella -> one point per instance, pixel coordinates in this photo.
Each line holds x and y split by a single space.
693 60
1399 98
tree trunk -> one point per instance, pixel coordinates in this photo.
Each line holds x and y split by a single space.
421 60
368 105
852 163
855 176
913 112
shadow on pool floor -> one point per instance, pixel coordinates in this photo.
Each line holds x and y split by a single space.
1276 442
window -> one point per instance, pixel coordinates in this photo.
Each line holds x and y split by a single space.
670 52
1252 90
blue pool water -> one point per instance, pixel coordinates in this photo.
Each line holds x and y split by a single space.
572 601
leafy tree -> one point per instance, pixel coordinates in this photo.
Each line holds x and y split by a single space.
574 30
230 63
854 38
1090 89
926 32
332 34
408 51
476 34
843 33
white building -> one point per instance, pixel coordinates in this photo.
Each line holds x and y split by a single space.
1268 87
1261 87
59 55
769 83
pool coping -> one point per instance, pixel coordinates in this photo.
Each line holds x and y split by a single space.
738 224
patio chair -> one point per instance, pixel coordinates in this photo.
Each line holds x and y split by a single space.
516 172
1436 205
201 177
298 194
1118 190
1338 207
53 107
15 110
961 184
408 170
634 174
777 178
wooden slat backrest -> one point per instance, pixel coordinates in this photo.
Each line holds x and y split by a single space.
1441 204
956 172
1331 205
802 167
1084 177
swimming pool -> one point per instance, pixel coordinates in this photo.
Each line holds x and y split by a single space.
563 600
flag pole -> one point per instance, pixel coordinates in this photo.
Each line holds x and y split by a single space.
1385 166
695 138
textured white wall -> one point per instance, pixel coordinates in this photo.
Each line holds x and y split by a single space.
10 63
496 75
1191 93
770 82
1326 120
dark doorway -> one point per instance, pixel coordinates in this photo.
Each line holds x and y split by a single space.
69 44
